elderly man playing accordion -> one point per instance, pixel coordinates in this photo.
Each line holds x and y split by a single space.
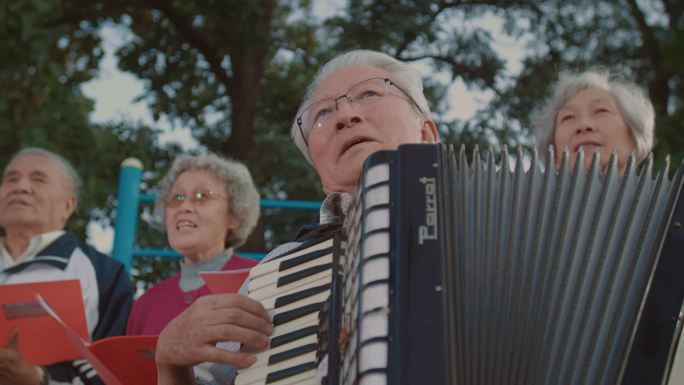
359 103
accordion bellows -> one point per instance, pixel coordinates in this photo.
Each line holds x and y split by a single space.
497 274
482 272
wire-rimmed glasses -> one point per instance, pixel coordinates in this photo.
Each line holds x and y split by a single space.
362 96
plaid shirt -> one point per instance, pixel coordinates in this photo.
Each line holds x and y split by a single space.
335 207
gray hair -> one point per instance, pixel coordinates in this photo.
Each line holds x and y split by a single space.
243 197
634 105
403 75
72 177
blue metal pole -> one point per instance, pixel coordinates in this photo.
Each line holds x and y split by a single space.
264 203
171 254
290 204
126 221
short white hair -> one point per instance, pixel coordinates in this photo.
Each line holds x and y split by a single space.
72 177
634 105
407 78
243 198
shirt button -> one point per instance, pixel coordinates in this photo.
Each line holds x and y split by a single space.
188 299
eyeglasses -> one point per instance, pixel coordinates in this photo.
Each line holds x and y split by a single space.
197 197
363 97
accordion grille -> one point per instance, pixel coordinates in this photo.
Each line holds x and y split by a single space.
544 270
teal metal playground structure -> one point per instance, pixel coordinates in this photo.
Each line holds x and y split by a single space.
129 198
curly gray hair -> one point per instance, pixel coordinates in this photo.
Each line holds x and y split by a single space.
403 75
634 106
243 197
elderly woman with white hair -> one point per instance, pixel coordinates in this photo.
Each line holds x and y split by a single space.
209 206
596 112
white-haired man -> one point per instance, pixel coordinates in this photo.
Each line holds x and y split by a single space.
359 103
38 194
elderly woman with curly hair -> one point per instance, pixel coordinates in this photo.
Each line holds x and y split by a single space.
209 206
596 112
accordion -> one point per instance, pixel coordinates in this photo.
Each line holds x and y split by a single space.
455 272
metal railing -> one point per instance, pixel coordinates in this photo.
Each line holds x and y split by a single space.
129 198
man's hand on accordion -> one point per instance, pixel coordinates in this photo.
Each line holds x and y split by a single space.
192 336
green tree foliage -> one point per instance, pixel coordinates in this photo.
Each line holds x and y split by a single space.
444 36
204 65
233 72
40 99
640 40
225 70
41 69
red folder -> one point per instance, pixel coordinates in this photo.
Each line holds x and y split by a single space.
121 360
41 339
225 281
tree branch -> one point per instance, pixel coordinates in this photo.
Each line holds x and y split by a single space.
646 31
187 31
107 10
659 90
196 40
441 7
674 10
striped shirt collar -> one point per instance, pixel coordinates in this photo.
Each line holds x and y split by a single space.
335 207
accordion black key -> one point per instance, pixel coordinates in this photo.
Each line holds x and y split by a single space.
457 272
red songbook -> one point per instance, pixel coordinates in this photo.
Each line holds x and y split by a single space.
41 339
121 360
225 281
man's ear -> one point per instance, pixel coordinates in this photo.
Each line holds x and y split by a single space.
69 207
428 132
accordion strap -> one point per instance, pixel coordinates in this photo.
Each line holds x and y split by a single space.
321 231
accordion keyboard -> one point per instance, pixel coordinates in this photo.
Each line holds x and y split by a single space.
293 289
